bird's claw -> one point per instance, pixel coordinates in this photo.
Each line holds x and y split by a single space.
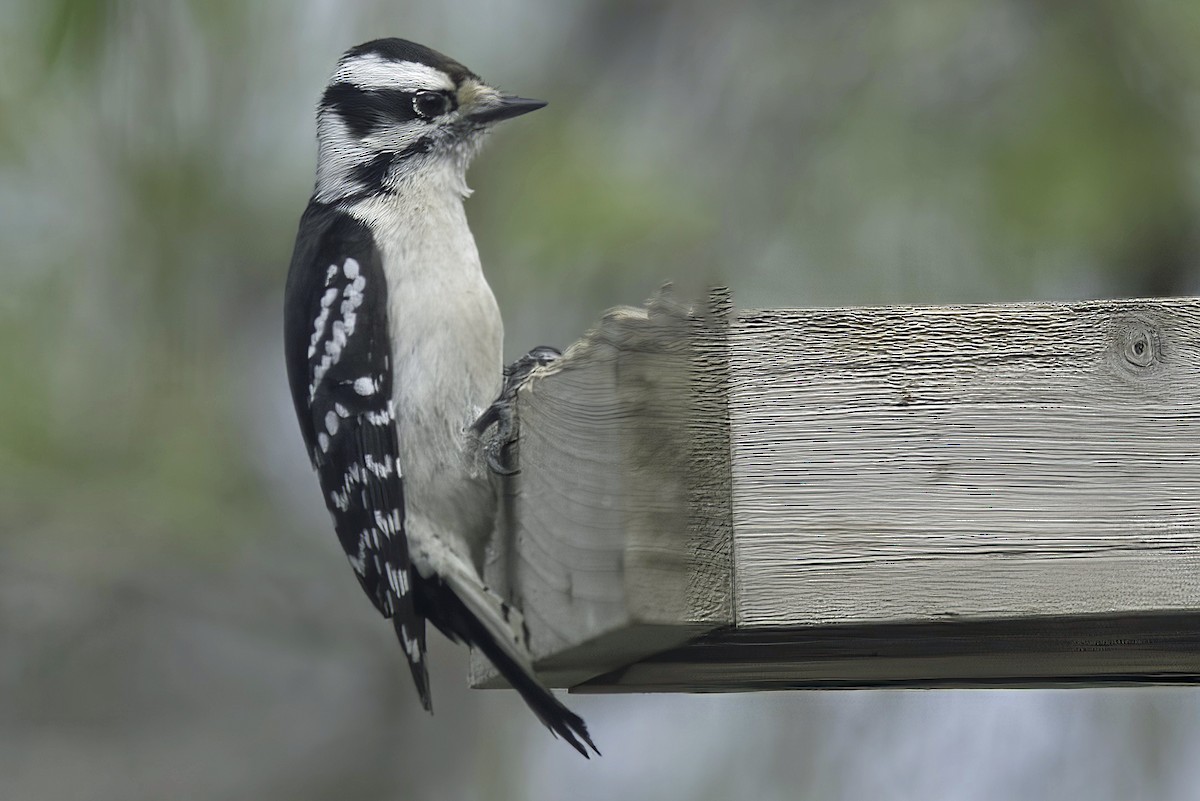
502 412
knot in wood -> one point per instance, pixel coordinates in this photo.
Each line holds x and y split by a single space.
1140 344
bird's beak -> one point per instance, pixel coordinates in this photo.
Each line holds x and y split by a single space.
505 107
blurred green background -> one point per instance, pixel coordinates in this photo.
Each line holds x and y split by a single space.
176 619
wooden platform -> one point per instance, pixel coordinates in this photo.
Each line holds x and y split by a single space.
716 500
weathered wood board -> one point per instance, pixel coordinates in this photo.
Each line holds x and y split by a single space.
908 496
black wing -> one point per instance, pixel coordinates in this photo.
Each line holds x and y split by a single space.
339 367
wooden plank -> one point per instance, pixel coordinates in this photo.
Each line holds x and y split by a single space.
618 527
967 462
926 496
1023 652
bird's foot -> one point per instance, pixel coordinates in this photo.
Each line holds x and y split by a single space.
502 412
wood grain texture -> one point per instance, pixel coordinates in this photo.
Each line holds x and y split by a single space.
620 536
897 465
930 496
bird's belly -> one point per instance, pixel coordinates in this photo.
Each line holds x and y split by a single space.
448 367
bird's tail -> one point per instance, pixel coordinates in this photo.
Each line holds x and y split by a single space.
416 655
491 625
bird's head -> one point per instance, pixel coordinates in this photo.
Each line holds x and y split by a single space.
396 113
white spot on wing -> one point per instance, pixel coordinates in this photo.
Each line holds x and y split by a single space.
350 268
341 330
382 469
365 385
389 524
354 295
359 561
323 441
411 647
331 422
382 418
341 500
338 341
319 324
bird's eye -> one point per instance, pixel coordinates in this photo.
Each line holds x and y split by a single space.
430 104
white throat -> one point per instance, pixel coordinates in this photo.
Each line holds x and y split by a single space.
437 285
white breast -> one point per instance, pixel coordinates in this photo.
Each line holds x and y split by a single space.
447 339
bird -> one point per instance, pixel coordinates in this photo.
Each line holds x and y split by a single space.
393 344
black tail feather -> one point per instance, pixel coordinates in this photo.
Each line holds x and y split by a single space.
420 672
561 721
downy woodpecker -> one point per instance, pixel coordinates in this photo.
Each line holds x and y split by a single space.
393 345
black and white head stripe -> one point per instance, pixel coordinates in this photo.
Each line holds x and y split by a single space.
389 104
369 109
410 56
371 72
390 81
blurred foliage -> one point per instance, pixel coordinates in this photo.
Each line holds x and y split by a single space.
175 619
